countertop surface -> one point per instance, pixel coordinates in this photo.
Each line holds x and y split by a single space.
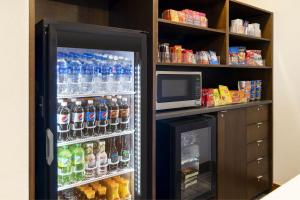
289 190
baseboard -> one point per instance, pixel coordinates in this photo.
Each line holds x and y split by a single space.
275 186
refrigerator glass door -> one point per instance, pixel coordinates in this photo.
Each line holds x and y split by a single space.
94 97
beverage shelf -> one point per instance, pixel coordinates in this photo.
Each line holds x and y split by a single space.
109 175
68 96
100 137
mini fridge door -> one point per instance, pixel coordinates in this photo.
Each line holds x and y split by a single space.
53 39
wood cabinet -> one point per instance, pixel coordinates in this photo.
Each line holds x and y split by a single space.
244 158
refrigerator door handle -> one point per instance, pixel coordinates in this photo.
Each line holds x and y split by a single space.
49 146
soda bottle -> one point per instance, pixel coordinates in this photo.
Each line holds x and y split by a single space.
124 115
90 119
124 153
75 68
102 117
63 121
87 73
64 165
59 101
90 160
119 102
77 121
62 74
113 156
72 103
101 158
113 113
78 162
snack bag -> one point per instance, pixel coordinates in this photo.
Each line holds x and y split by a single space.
170 15
225 95
233 53
258 58
243 98
250 57
207 97
242 55
235 95
181 16
213 58
217 98
253 91
189 18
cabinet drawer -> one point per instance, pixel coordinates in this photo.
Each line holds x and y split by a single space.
258 167
257 114
257 131
257 149
257 185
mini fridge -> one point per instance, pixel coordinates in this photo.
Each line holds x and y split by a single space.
91 112
186 158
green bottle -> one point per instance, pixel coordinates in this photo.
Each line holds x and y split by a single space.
64 165
78 162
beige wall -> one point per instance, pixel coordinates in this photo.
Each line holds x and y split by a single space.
14 99
286 86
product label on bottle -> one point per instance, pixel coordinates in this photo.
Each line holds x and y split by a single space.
102 160
63 162
90 161
63 119
124 113
113 114
103 115
77 117
78 159
125 156
114 159
90 116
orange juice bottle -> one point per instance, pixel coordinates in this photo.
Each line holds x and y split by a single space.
95 185
101 193
112 189
90 195
123 187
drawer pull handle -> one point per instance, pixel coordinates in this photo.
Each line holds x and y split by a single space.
259 124
260 107
259 160
259 178
222 113
259 142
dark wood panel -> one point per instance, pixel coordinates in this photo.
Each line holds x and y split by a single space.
257 132
257 185
257 150
258 167
91 12
257 114
231 154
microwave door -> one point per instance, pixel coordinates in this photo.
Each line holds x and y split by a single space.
178 89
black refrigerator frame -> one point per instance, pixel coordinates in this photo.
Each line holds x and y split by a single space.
50 35
169 154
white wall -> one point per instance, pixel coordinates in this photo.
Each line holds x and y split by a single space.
286 86
14 99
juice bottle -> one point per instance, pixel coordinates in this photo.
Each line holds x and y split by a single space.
113 156
95 185
78 162
112 189
90 195
101 193
64 165
101 159
90 160
123 187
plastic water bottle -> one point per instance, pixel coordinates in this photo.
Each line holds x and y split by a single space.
87 73
75 68
62 74
117 73
98 72
107 73
127 75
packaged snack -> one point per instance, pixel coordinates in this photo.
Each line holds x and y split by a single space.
181 16
242 55
189 18
258 58
207 97
199 19
245 86
253 91
233 54
225 95
258 89
217 99
213 58
235 96
243 98
170 15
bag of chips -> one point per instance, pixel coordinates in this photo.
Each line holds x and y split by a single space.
225 95
217 98
235 96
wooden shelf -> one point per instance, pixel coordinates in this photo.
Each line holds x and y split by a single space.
178 26
212 66
247 38
196 111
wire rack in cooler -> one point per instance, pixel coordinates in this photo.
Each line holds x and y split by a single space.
94 138
91 180
69 96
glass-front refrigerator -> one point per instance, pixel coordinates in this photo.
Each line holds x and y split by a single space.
91 118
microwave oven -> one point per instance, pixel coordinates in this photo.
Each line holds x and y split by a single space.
178 89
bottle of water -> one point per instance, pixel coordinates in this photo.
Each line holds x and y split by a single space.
98 72
87 73
74 75
127 75
117 72
62 74
107 72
